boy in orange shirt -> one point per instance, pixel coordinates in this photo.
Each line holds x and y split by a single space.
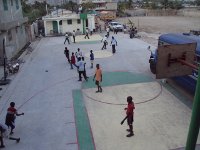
98 77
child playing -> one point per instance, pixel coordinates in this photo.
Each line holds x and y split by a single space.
129 115
91 58
98 77
73 60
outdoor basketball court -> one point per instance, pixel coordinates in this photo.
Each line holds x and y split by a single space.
161 119
92 38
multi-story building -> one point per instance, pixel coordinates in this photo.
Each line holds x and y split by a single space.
12 27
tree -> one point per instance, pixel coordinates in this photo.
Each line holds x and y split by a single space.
70 6
197 2
165 3
130 4
88 6
34 11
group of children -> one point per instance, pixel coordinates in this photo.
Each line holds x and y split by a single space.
75 57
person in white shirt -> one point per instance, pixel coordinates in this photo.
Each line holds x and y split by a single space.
104 40
113 43
87 33
74 35
81 66
4 134
78 54
108 31
66 38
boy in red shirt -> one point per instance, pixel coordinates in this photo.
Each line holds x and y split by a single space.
11 115
129 115
73 60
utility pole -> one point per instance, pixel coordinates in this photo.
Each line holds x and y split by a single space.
195 119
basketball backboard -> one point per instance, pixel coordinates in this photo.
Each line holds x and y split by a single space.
167 60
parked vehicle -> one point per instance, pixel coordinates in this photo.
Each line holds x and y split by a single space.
187 82
115 25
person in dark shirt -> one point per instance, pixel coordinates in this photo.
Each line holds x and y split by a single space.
91 58
66 52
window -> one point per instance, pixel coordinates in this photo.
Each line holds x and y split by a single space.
78 21
69 21
5 4
17 4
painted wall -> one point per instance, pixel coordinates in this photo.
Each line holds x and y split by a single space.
70 27
65 27
49 27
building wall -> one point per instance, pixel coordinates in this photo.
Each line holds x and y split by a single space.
49 27
70 27
14 33
13 13
65 27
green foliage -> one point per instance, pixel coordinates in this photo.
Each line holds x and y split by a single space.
153 5
34 11
130 4
88 6
70 6
197 2
163 4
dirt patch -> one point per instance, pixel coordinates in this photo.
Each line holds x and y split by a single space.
150 28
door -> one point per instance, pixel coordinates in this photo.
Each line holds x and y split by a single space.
55 27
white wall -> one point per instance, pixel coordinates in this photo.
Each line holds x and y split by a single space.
70 27
49 26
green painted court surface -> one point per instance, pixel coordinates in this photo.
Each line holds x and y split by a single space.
159 124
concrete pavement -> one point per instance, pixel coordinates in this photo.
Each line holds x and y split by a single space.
46 90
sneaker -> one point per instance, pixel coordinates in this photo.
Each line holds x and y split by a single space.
97 91
79 80
18 140
130 134
11 133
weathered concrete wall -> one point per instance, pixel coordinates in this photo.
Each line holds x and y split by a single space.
193 12
16 39
189 12
13 13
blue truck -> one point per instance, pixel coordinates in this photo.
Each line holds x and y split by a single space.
187 82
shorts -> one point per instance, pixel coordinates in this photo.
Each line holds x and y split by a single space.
130 120
97 82
10 124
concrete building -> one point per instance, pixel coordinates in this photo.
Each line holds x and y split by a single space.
12 27
62 21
